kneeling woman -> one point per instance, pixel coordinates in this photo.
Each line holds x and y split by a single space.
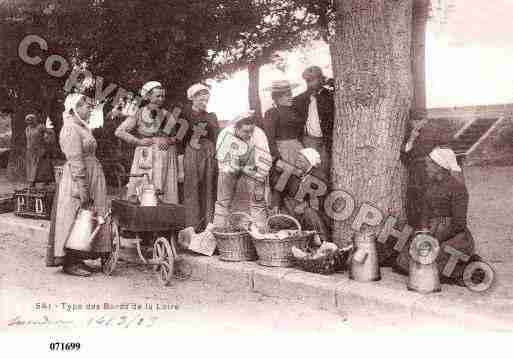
444 213
82 184
155 153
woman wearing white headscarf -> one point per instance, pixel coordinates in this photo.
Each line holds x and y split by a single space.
155 153
82 184
200 165
444 213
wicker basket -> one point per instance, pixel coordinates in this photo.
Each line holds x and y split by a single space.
274 252
235 246
329 264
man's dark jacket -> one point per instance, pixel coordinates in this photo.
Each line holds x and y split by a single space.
325 107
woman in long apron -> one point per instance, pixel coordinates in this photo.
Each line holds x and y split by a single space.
82 184
155 153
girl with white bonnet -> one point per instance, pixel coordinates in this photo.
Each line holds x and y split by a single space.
444 213
82 185
200 164
155 153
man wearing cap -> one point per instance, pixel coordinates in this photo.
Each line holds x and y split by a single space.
444 213
242 153
200 165
316 107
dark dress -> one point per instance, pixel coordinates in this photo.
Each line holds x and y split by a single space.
200 169
445 213
40 154
282 123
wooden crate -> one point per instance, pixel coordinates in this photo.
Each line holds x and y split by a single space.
33 203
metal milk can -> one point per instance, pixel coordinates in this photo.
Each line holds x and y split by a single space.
83 231
147 195
364 259
423 270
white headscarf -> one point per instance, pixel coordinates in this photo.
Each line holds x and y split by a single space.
148 86
194 89
48 123
70 103
312 156
445 158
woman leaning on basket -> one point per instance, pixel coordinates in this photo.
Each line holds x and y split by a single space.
82 184
155 152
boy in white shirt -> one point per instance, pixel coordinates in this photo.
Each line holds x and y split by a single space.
242 152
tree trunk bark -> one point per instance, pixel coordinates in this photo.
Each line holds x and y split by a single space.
374 82
254 88
420 16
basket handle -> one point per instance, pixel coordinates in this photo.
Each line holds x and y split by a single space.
296 222
244 214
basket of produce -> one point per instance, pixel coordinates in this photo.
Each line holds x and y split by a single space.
233 241
327 259
274 247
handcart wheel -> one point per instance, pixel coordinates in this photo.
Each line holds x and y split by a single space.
109 263
165 256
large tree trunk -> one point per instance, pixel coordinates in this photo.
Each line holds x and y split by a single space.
420 16
374 82
254 88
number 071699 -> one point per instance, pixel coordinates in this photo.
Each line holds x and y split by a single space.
60 346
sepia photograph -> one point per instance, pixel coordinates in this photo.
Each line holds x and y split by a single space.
303 175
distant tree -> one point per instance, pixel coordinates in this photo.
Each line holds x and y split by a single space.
130 42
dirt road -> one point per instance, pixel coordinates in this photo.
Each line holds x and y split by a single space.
38 298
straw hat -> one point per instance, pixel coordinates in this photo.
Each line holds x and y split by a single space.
281 86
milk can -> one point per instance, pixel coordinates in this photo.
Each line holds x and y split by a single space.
364 259
423 271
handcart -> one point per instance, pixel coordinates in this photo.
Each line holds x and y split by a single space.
155 229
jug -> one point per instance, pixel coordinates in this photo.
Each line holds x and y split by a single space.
147 195
423 270
364 260
83 231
